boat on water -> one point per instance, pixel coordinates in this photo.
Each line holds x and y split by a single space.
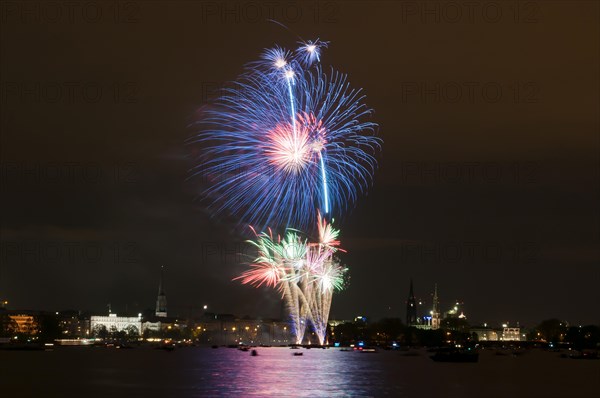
585 355
368 349
452 354
165 346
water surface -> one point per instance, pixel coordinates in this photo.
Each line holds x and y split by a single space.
205 372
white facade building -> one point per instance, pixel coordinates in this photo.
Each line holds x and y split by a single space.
486 334
511 334
112 321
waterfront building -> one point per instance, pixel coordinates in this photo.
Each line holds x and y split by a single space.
227 329
485 333
23 323
73 324
113 322
511 333
335 322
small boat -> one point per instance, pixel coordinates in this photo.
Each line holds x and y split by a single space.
368 350
455 355
253 353
585 355
297 354
166 347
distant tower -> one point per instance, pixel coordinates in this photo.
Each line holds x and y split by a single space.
411 307
435 312
161 300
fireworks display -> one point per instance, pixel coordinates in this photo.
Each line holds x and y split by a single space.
285 140
285 146
305 273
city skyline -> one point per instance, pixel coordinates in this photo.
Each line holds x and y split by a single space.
423 303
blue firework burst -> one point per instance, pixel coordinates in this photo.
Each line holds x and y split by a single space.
285 140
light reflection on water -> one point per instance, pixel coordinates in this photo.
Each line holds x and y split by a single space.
203 372
276 372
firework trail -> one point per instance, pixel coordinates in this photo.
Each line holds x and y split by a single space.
306 274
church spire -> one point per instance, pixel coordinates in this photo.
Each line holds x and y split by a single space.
161 291
161 300
435 299
435 312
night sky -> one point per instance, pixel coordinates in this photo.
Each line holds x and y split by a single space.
488 183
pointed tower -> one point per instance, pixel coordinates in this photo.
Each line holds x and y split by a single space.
435 312
161 300
411 307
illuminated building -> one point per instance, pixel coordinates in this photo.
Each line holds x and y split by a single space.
505 333
333 322
227 329
511 334
153 325
161 324
456 311
112 322
23 323
485 333
431 321
73 324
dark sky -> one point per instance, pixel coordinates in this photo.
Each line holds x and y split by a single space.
488 182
